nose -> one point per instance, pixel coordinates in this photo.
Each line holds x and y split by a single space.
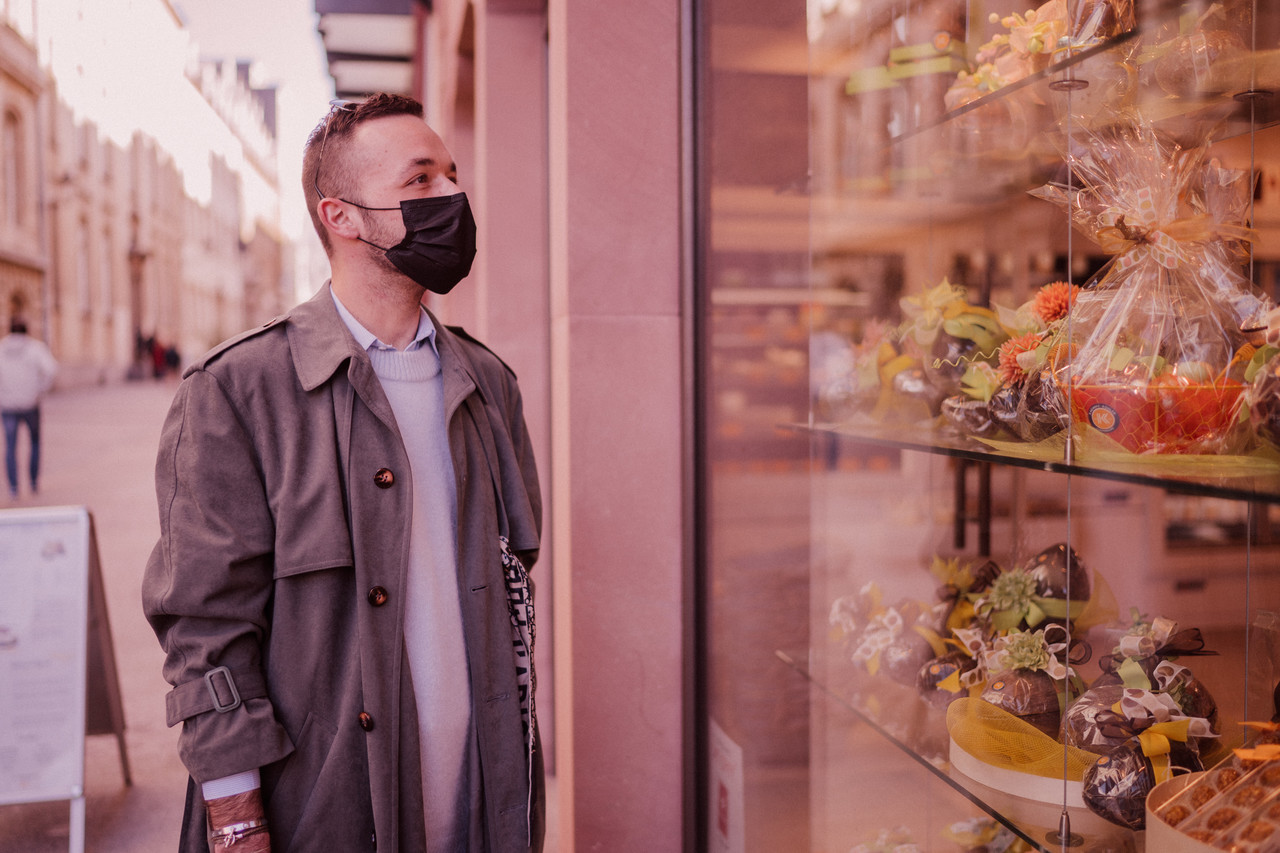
442 186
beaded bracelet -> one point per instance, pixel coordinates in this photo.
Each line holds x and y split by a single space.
229 835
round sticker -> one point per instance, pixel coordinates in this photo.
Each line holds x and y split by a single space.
1103 417
941 41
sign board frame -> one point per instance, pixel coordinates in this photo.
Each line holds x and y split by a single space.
58 677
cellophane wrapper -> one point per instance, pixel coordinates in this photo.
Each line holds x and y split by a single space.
1151 342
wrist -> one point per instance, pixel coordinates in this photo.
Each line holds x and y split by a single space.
237 808
233 834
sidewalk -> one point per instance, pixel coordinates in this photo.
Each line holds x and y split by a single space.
98 449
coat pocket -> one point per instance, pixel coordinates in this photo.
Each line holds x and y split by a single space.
318 797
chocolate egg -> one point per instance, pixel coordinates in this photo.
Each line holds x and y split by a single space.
971 417
1080 724
1026 410
1117 784
1030 695
914 384
951 358
934 672
901 660
1054 569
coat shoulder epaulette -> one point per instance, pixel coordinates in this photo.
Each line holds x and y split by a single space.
235 340
466 336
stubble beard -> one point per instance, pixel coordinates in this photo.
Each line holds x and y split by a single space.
383 238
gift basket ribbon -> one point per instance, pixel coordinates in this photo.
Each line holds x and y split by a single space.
1033 611
1164 641
1155 746
1160 242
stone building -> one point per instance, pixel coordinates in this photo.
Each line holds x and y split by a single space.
22 263
126 235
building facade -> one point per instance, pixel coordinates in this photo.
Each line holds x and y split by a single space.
118 245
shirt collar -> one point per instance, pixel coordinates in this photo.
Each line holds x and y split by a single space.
425 334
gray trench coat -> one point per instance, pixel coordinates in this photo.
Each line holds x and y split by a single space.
284 495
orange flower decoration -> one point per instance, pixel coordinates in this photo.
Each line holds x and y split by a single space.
1010 370
1053 301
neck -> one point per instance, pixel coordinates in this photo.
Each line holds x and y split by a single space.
389 305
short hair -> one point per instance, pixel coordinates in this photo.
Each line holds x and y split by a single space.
324 157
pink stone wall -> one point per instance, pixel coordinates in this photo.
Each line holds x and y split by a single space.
575 145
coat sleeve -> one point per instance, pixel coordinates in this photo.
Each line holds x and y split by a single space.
522 493
207 587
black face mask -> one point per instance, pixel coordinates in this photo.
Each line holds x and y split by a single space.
439 241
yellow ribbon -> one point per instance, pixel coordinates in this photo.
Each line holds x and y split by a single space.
1135 243
961 615
1036 610
1133 675
933 638
1155 742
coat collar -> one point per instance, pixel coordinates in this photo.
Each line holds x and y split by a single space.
321 344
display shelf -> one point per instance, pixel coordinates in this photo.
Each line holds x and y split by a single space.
1035 822
1247 478
1077 64
1014 138
1241 90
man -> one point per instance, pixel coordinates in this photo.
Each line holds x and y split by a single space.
27 369
346 628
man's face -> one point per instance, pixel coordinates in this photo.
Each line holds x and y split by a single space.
393 159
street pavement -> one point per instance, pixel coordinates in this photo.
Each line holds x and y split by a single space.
98 447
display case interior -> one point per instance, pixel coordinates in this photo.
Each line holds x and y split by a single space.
1059 585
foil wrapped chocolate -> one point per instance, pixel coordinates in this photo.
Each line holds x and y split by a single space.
1187 692
935 679
1028 410
1062 582
951 356
913 384
1082 728
1106 716
1031 695
902 659
1116 786
884 639
972 417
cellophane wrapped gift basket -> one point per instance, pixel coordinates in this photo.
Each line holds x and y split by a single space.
1157 351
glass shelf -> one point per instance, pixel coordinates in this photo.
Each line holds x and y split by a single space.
1234 478
917 729
1014 138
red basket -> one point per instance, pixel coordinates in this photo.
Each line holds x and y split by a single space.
1160 418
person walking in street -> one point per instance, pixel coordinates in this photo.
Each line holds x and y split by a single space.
348 507
27 371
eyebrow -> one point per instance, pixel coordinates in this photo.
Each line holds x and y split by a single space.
420 162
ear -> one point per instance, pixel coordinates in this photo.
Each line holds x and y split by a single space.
338 218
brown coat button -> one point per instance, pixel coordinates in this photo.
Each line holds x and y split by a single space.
384 478
366 721
378 596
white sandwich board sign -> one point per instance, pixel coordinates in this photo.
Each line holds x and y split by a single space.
58 679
